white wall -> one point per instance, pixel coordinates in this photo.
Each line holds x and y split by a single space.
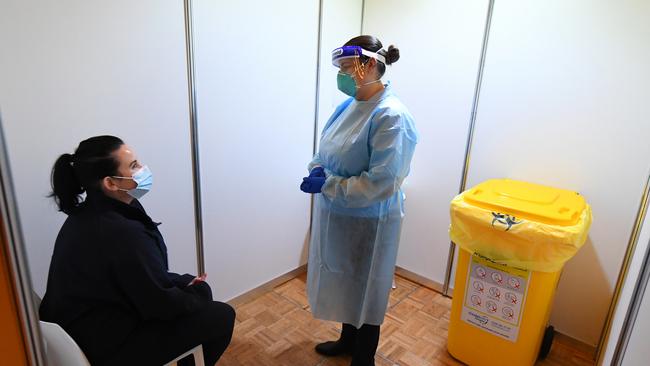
76 68
440 45
626 296
564 103
256 85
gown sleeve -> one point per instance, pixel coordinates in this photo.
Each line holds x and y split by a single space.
392 143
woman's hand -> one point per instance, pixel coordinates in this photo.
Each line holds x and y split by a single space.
198 279
318 171
312 184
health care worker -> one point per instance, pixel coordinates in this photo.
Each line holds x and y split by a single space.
365 152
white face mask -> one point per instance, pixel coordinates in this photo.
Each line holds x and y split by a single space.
144 180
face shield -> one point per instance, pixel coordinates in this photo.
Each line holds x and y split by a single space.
348 60
351 53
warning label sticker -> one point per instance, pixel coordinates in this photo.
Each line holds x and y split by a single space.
494 297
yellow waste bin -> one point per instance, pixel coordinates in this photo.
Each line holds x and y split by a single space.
514 238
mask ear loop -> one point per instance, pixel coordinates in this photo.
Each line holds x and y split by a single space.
118 177
360 67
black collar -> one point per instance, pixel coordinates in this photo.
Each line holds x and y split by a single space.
100 202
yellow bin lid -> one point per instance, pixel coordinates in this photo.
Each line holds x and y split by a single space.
527 200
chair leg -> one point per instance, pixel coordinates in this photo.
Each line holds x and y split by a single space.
198 356
197 352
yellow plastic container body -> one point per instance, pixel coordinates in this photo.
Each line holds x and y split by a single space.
477 347
519 232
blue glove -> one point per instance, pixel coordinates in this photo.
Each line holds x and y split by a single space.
317 172
312 184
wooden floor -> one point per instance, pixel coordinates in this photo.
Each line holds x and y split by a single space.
278 329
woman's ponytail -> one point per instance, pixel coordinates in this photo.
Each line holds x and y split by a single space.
66 188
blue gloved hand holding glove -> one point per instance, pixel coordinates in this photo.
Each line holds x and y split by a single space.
318 171
314 182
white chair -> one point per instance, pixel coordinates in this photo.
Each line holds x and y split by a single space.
62 350
198 357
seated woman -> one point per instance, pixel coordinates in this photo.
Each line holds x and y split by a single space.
109 286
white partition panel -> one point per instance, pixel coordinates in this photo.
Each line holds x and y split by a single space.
76 68
625 301
440 45
637 352
256 84
564 103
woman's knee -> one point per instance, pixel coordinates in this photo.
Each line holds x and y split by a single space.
230 314
222 314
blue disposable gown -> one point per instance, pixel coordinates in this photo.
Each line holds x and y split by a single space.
366 149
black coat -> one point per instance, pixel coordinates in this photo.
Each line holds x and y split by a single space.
109 275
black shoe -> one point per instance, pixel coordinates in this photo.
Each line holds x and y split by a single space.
334 348
345 344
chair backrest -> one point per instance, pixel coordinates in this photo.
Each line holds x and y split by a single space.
60 348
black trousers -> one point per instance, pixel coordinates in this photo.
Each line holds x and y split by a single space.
362 341
157 343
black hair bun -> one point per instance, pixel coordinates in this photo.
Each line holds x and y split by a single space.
392 55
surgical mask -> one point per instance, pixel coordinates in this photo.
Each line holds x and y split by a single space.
346 84
144 180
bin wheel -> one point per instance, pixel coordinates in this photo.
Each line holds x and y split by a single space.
547 341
